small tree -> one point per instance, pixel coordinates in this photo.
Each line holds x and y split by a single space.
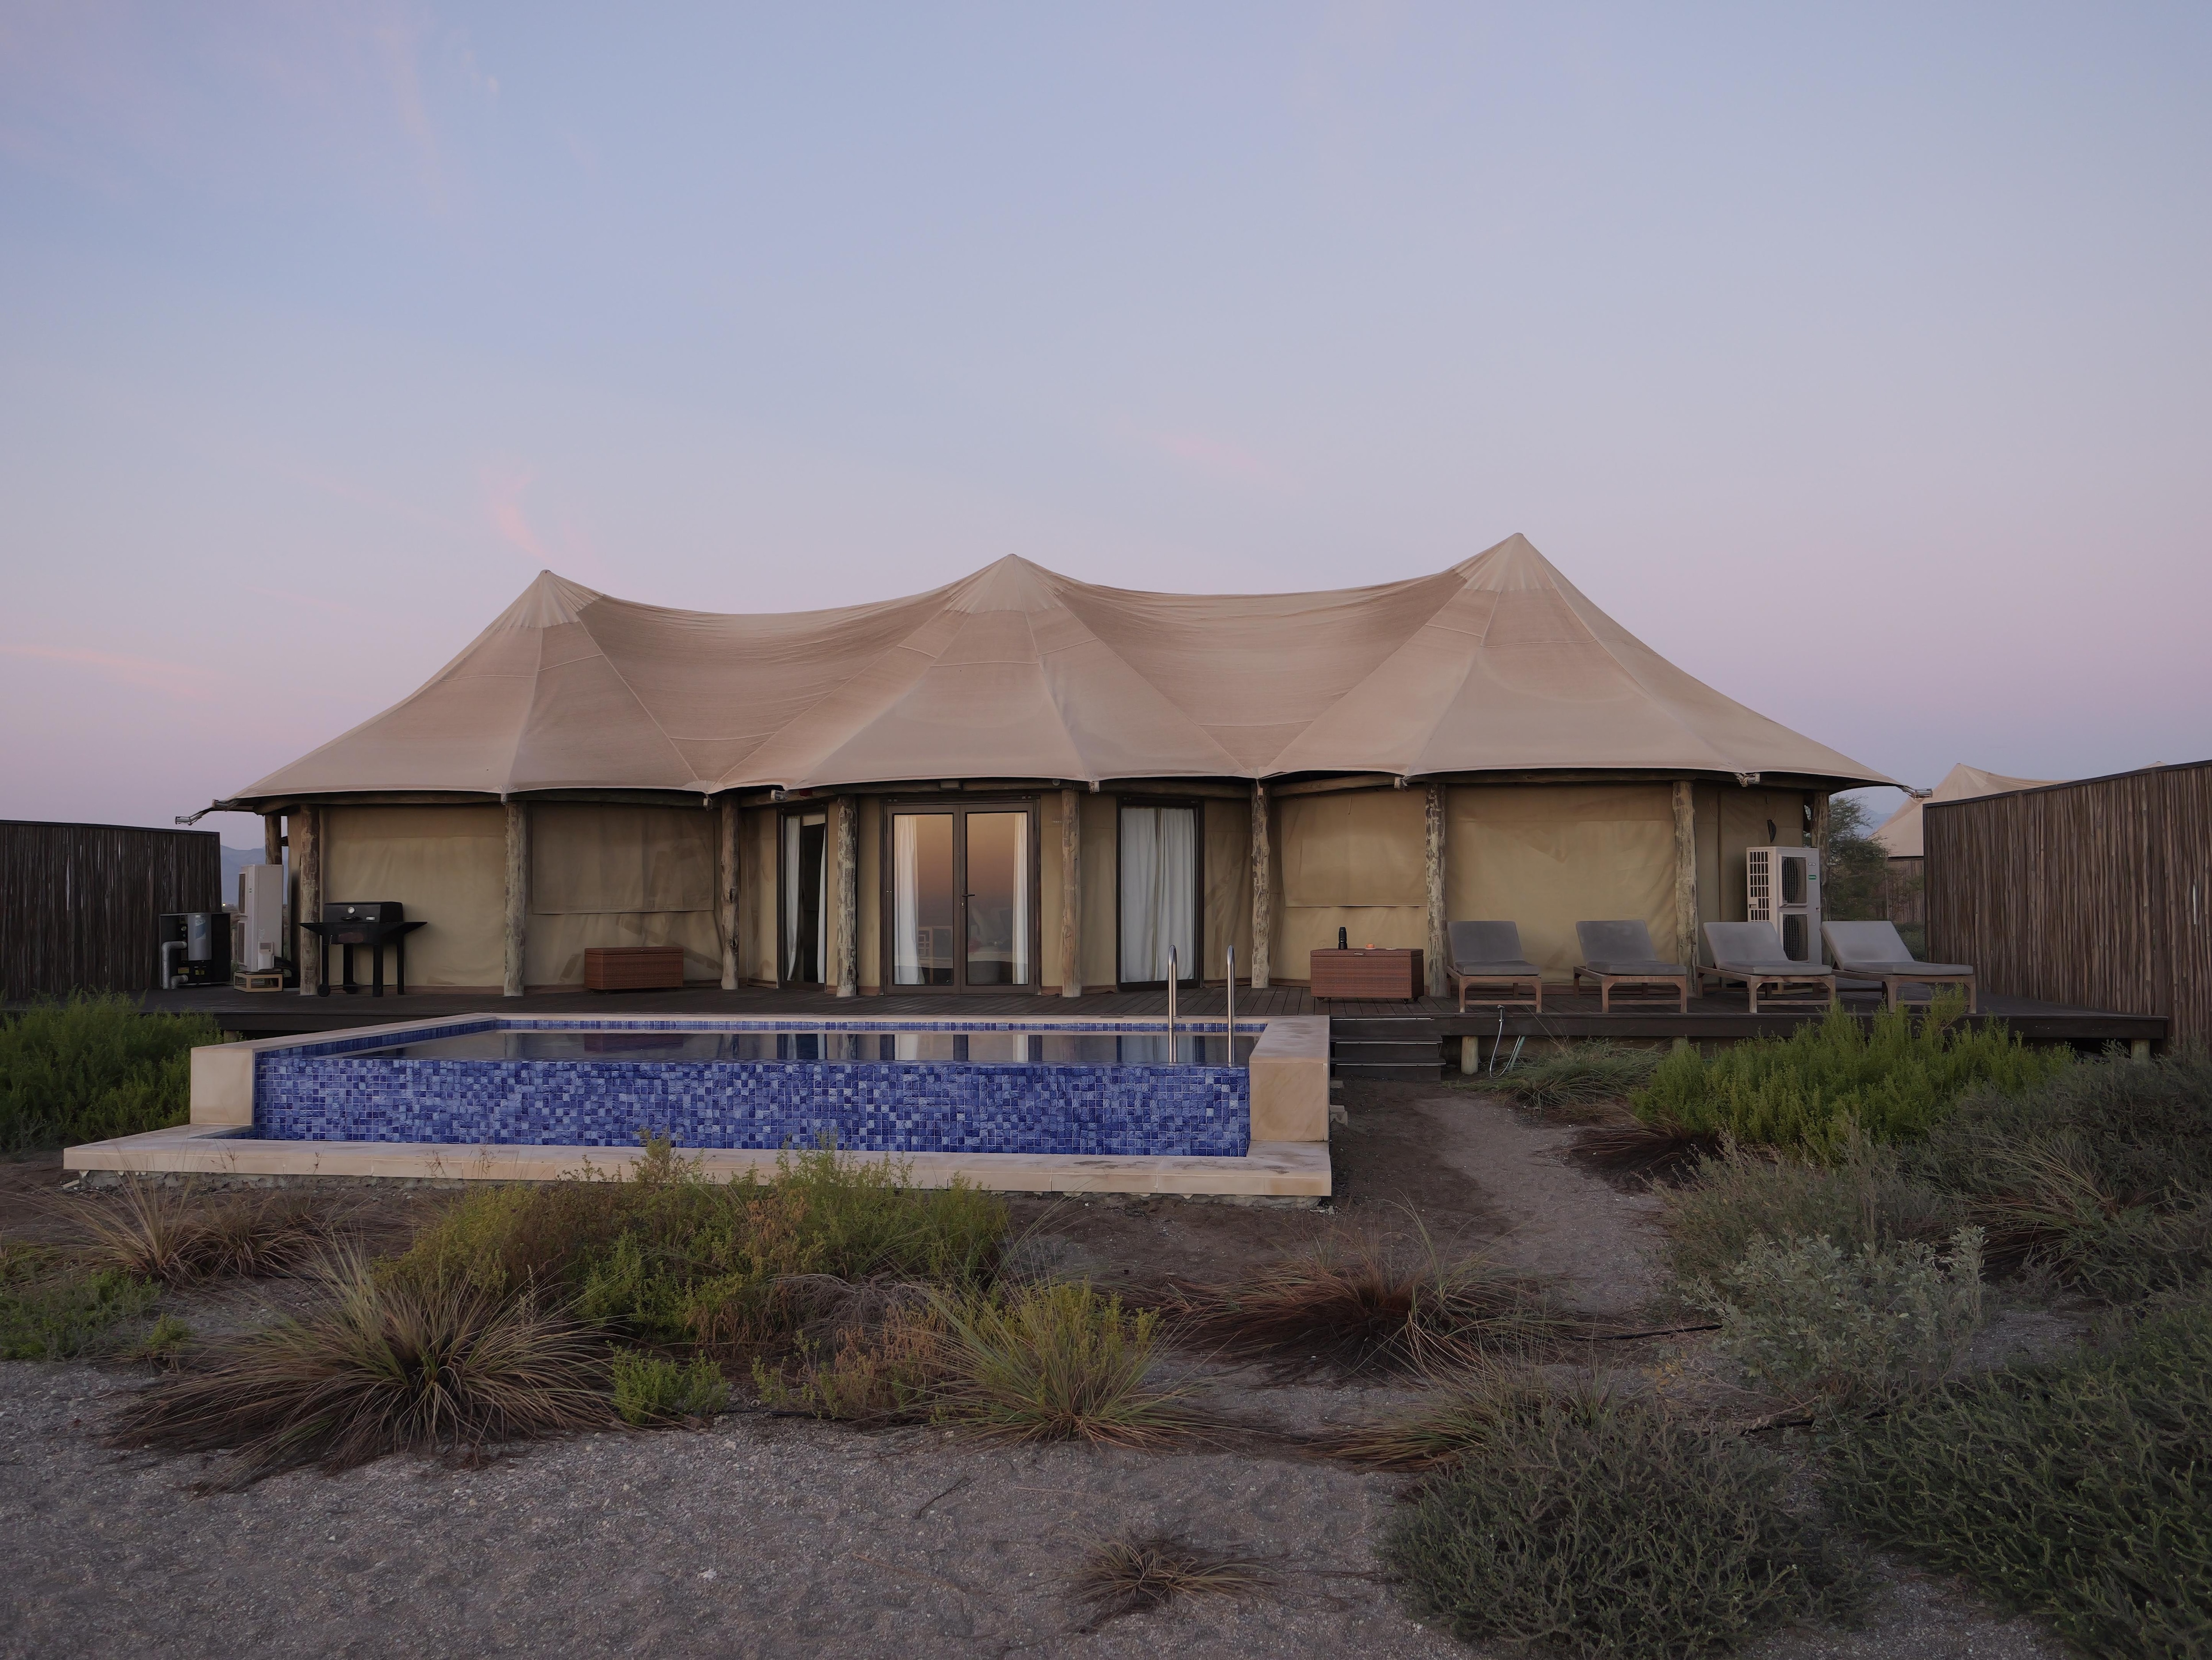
1852 881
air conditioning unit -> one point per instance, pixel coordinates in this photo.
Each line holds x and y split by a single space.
1782 885
260 922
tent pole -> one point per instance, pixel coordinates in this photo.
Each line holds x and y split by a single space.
727 858
1071 893
307 839
517 895
1263 896
1685 874
1434 871
847 872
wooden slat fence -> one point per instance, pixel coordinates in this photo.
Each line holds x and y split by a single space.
2092 893
78 902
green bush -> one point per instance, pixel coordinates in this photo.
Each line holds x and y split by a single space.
668 1257
650 1388
1574 1079
2102 1173
92 1068
1740 1197
53 1310
1833 1081
1812 1322
2081 1488
1601 1527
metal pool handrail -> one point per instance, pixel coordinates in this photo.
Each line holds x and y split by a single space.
1175 973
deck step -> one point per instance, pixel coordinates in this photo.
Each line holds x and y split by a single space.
1390 1071
1405 1053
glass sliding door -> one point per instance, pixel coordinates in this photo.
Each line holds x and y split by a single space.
997 948
923 905
959 896
803 919
1159 895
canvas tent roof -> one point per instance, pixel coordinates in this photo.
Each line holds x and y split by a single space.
1498 663
1899 833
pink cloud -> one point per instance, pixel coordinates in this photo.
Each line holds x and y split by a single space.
1217 457
503 487
150 674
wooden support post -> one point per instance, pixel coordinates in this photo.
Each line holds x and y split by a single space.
1071 893
1685 874
1263 894
845 866
727 890
272 838
307 860
1433 869
516 935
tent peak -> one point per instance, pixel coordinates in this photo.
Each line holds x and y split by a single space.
549 602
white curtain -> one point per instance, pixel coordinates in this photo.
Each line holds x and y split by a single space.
906 891
1159 871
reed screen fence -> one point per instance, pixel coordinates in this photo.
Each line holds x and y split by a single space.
2091 893
80 903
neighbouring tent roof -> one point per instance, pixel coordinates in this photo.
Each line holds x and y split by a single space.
1017 672
1899 833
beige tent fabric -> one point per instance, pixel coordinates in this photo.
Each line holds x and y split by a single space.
1016 672
1356 848
1899 833
1101 876
1228 860
610 875
1545 857
446 865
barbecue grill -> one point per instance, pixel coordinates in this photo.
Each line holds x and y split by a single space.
372 923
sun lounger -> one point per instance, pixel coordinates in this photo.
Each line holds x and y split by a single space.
1876 951
1751 952
1620 954
1488 953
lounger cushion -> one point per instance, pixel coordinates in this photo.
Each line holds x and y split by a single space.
1615 942
1484 941
1775 971
1496 971
1910 966
1652 970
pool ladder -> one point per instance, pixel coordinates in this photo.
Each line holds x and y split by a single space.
1175 973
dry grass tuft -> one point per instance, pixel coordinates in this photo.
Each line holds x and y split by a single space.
1137 1575
174 1235
1461 1416
1656 1152
1359 1302
386 1365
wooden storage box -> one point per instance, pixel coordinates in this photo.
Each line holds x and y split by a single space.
634 968
1381 975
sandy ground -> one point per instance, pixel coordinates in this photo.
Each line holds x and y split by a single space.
775 1536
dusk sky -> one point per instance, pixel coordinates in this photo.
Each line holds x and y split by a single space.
1857 359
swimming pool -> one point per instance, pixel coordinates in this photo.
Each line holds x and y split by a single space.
1102 1088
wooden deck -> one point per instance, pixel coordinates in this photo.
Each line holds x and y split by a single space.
1377 1041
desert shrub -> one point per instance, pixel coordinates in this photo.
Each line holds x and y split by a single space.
1574 1079
1056 1361
53 1309
1833 1081
1597 1526
174 1233
2102 1173
1360 1301
1460 1416
670 1257
2079 1489
651 1388
1146 1571
383 1364
1811 1321
164 1342
93 1068
886 1373
1739 1197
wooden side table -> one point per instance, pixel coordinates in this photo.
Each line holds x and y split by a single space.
634 968
1380 974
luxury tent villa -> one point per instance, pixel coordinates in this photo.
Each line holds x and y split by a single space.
1019 781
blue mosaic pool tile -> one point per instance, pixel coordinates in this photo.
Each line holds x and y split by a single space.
324 1092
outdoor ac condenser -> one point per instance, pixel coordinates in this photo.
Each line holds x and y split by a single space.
1782 885
260 917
